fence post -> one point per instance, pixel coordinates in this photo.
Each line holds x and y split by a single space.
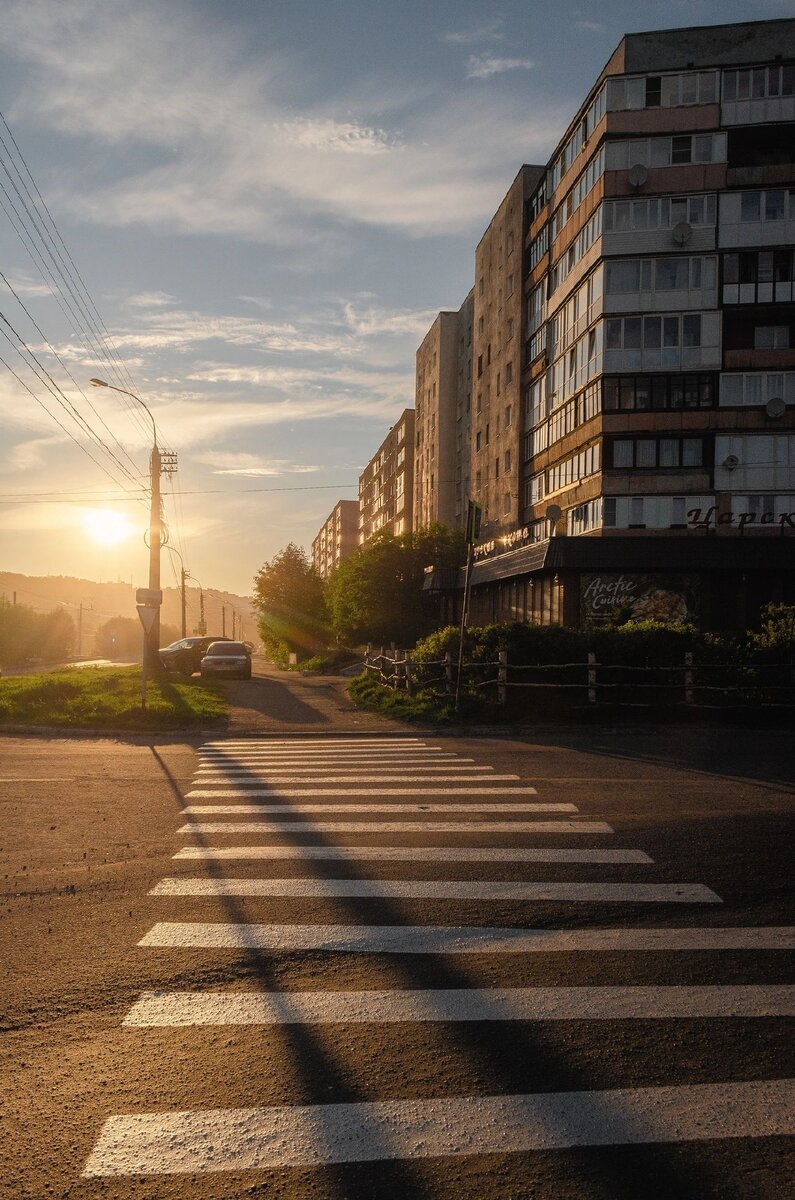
448 674
591 677
407 672
688 677
400 669
502 678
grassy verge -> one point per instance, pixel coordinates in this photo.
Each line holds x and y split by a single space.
429 709
108 699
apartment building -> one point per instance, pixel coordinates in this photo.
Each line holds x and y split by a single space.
442 419
337 537
652 431
386 486
495 452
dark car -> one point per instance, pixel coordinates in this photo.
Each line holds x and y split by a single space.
227 658
186 655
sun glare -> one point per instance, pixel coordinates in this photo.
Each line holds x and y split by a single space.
107 527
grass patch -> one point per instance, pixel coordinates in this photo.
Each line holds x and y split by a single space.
93 698
423 706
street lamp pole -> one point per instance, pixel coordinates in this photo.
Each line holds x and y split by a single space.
158 464
184 575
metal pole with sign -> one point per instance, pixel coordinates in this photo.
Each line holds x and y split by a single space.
148 602
474 514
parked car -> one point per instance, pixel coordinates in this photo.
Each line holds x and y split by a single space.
186 655
227 658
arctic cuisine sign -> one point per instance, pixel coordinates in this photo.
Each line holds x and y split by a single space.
638 597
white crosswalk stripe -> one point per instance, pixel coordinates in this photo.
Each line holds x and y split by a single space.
445 889
461 1004
272 778
579 827
443 939
252 1138
209 809
440 854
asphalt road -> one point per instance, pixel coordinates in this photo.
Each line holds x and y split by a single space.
593 1013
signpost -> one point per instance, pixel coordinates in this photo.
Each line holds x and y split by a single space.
148 602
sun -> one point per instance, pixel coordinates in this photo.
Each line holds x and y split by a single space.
107 527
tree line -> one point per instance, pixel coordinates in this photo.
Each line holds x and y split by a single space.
375 595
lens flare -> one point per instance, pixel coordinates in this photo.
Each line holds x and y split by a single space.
107 527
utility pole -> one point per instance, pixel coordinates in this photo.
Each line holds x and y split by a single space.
202 622
160 463
183 575
80 631
223 620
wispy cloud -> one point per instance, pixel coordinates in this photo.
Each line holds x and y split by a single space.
590 26
491 31
25 285
253 465
150 300
483 66
183 100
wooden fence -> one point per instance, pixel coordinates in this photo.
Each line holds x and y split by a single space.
590 682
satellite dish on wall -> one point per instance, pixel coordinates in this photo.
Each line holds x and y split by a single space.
554 512
775 407
638 174
731 462
682 233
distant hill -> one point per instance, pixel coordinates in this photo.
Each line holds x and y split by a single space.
100 601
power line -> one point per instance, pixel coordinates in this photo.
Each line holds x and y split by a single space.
68 433
35 498
93 339
57 357
60 396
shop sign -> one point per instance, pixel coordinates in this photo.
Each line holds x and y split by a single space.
636 597
698 518
519 537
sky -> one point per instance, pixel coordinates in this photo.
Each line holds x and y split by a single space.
268 203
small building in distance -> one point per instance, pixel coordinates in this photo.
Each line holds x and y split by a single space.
337 537
386 485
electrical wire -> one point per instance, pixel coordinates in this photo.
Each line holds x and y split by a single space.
58 358
61 398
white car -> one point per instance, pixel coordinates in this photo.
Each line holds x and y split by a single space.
227 658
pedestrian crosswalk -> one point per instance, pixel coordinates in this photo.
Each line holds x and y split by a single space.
400 788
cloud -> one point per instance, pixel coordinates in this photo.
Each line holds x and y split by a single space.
150 300
488 32
326 134
25 285
483 66
590 26
252 465
197 136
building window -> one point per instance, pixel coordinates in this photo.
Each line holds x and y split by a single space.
759 277
507 461
480 286
480 327
771 337
759 82
487 434
508 416
509 285
510 329
506 502
499 380
659 212
477 440
677 150
643 393
508 372
649 454
480 365
496 468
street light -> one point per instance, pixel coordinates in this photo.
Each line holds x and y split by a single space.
158 464
183 575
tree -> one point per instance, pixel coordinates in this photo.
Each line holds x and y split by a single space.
26 634
289 597
122 637
377 593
